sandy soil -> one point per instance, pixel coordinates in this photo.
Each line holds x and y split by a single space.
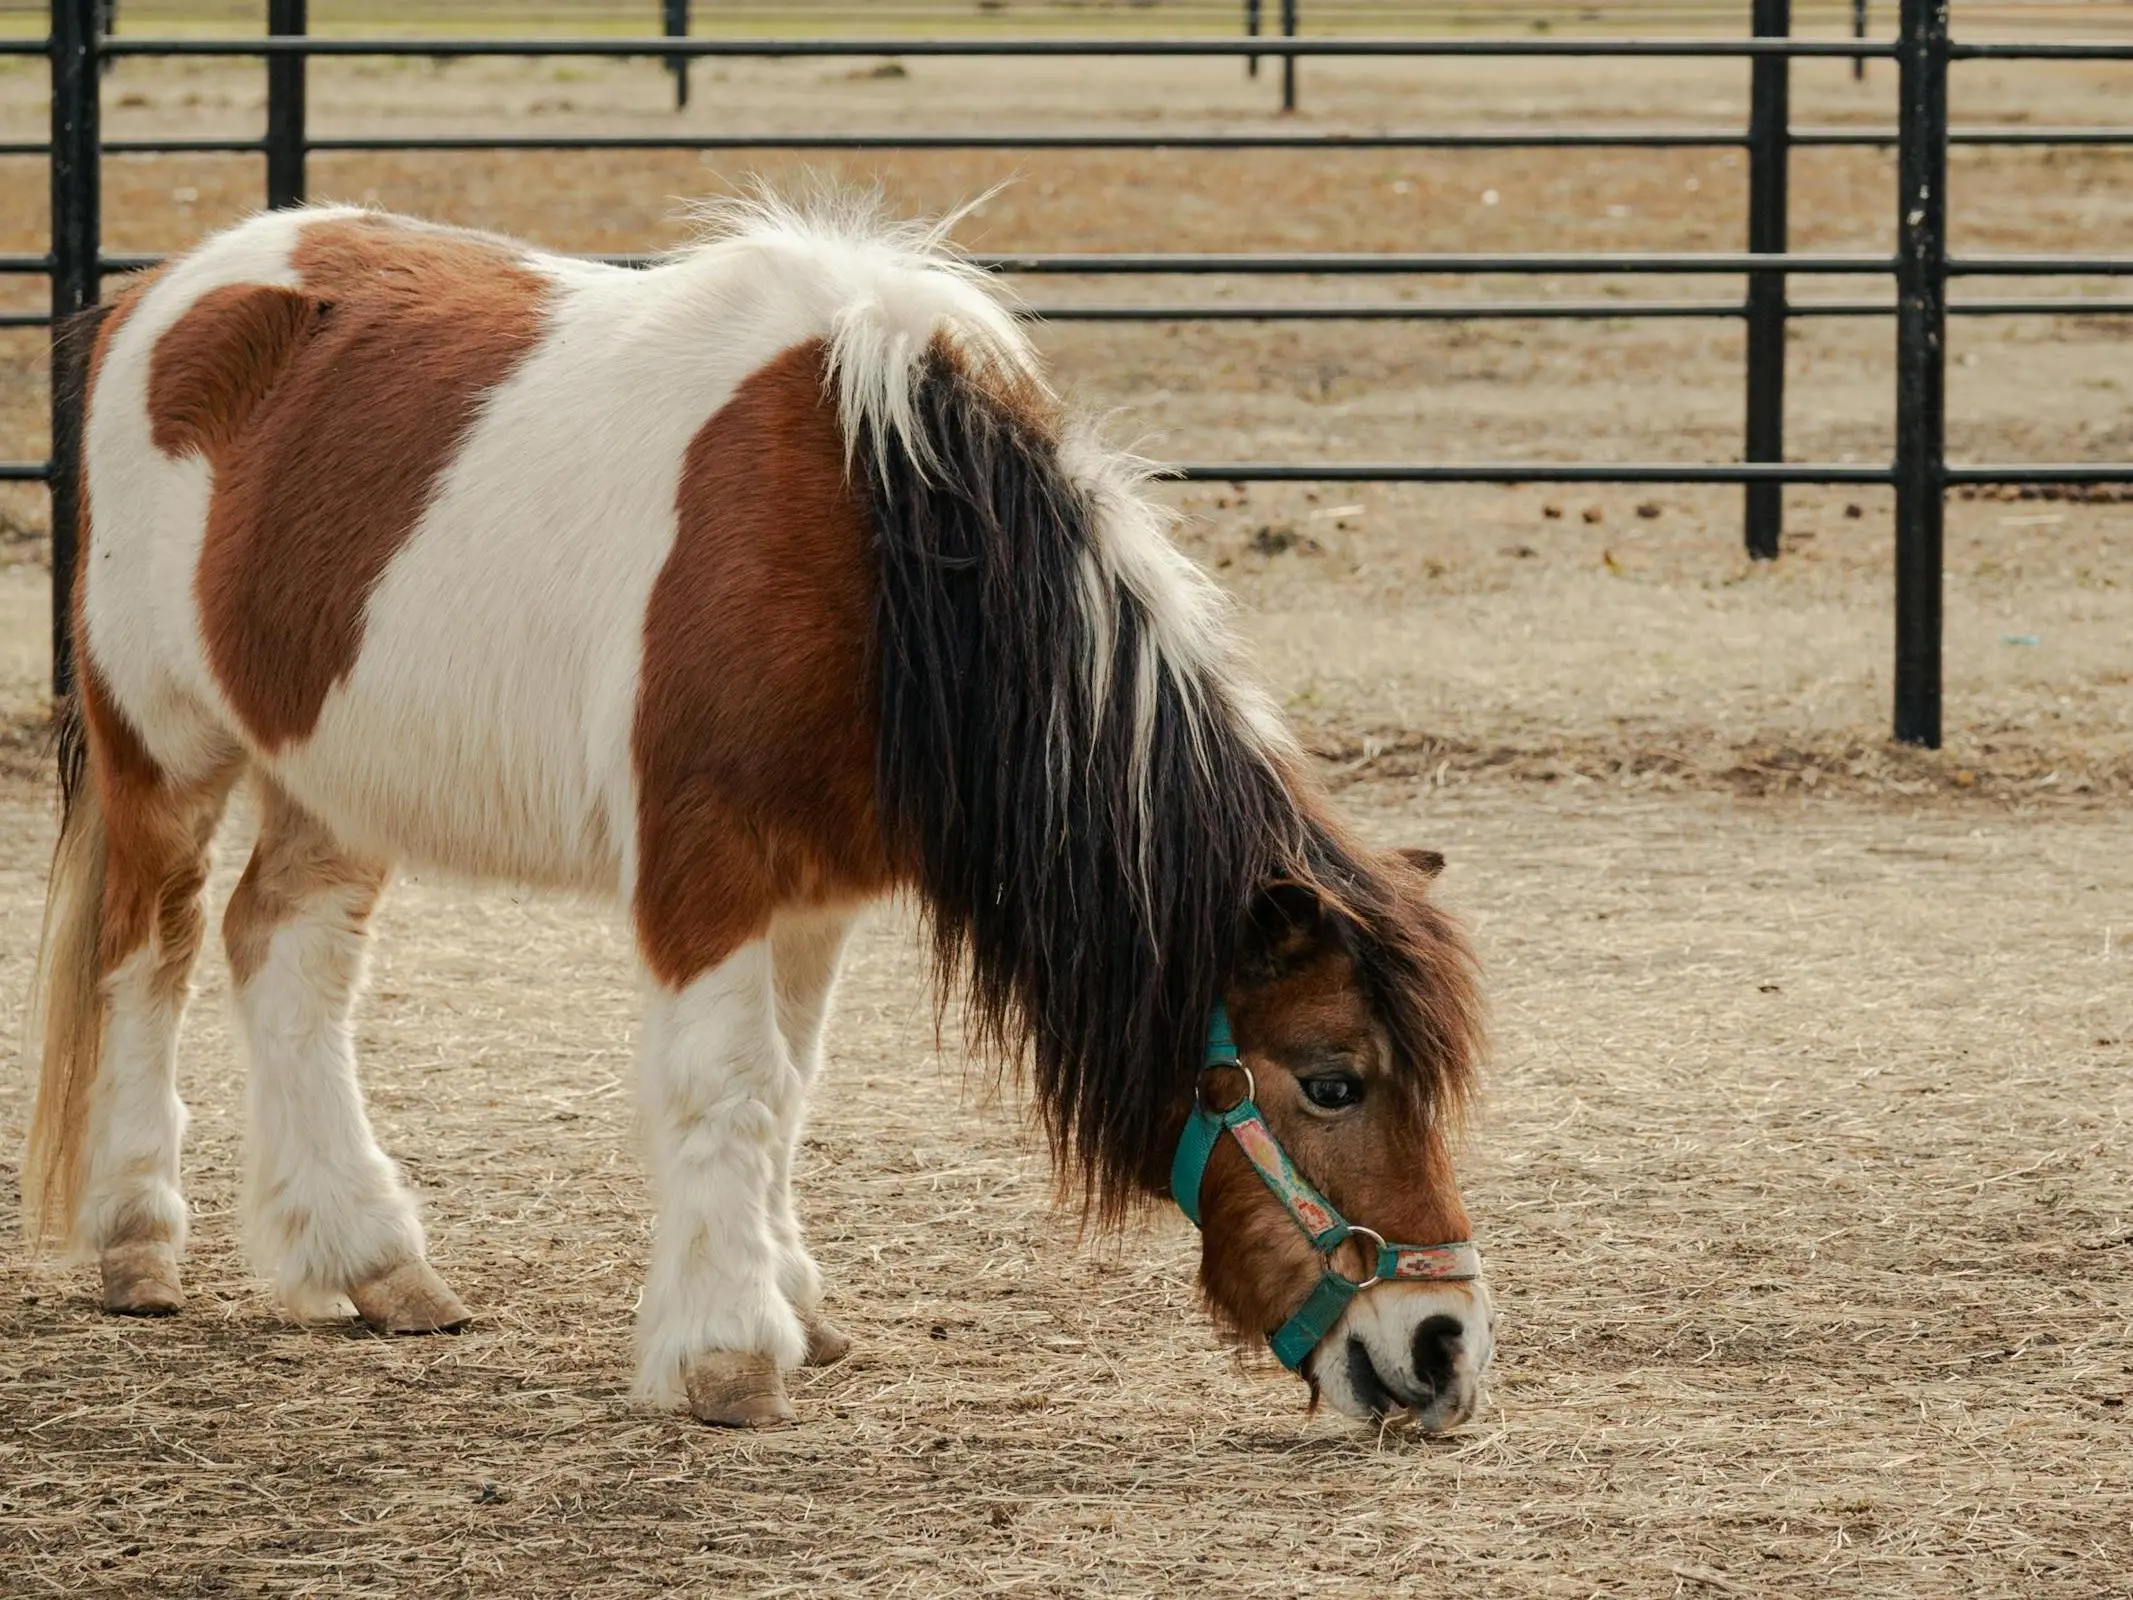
1802 1178
1802 1172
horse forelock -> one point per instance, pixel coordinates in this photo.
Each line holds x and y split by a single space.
1413 963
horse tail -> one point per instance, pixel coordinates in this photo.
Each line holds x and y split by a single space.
66 1007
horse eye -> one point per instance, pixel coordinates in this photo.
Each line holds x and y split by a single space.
1334 1092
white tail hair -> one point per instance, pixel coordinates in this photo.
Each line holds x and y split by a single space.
65 1022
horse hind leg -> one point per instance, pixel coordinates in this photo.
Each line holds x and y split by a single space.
158 836
806 949
123 924
327 1215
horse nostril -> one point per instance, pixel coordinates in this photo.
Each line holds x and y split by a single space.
1437 1351
1363 1380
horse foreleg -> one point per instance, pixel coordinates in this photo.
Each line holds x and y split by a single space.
806 948
719 1089
328 1216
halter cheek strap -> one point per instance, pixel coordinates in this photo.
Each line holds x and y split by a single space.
1325 1227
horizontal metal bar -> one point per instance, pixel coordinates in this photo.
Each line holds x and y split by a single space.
1829 138
1487 139
1330 265
2040 266
182 147
1407 311
25 264
1395 311
1358 46
1335 139
2038 50
1527 472
1332 139
2035 136
1546 310
25 471
1597 263
2043 472
2062 305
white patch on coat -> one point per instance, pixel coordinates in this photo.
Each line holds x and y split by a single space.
136 1120
719 1093
325 1209
807 946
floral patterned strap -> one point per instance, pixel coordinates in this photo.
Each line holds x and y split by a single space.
1440 1263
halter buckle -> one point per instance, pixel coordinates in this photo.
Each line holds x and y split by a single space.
1251 1087
1331 1256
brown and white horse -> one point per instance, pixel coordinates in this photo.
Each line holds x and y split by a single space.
749 588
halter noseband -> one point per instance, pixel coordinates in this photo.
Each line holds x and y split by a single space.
1325 1227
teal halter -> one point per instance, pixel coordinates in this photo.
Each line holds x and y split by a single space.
1325 1227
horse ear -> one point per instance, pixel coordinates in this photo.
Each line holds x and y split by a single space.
1427 862
1289 923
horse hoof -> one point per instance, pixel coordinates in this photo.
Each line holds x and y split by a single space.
737 1389
141 1280
827 1344
410 1299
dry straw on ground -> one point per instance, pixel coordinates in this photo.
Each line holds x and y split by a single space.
1801 1176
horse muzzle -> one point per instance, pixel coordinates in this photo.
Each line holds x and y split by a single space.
1407 1352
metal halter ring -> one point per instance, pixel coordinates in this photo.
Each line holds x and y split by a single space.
1251 1086
1357 1230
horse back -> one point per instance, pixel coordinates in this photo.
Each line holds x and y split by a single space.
482 562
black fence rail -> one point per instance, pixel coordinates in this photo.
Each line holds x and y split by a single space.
80 46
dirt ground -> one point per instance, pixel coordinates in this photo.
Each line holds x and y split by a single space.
1802 1172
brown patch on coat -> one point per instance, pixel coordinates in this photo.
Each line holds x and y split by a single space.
1381 1165
328 415
217 364
756 703
157 832
298 868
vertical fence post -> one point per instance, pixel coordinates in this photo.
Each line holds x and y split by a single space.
674 23
1288 63
1251 31
77 208
1858 32
1921 362
1769 161
286 134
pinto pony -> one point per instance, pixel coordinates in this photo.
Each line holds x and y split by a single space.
750 588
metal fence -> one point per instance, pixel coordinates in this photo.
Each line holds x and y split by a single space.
1921 267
